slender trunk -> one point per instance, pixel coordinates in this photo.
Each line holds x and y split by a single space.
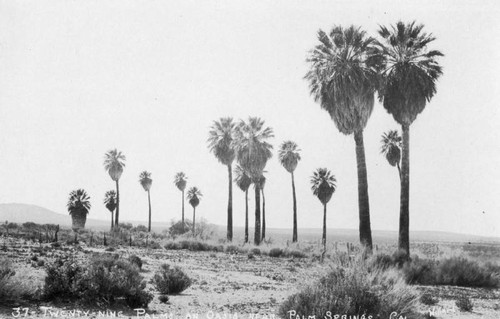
404 212
323 240
117 216
194 219
149 201
230 205
294 237
399 172
256 237
365 233
263 215
246 216
182 210
112 220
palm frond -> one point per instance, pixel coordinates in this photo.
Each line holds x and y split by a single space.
79 201
288 155
180 181
220 140
242 180
323 184
145 180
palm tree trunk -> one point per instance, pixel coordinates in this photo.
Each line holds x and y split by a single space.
256 237
323 240
365 233
112 219
399 171
263 215
117 203
230 205
294 237
194 219
182 210
404 211
149 201
246 216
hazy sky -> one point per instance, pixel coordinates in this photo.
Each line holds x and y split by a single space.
78 78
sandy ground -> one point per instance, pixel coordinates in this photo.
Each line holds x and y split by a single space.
229 286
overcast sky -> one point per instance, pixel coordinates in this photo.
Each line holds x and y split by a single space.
78 78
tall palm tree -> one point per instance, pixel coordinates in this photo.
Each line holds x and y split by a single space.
110 203
193 196
114 162
220 142
289 157
323 186
78 207
146 182
262 183
343 78
180 181
243 181
409 74
391 148
252 152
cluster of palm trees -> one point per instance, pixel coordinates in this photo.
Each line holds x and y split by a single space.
347 68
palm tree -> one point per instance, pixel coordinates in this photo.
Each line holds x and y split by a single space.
262 183
289 157
110 203
343 78
114 162
409 74
243 181
252 152
220 142
146 181
193 195
323 186
391 148
180 182
78 207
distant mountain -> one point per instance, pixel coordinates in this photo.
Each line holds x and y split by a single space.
21 213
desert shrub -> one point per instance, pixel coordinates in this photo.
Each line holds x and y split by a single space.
170 280
458 271
163 298
381 261
255 251
275 252
420 271
428 299
63 278
177 228
232 249
400 258
110 249
126 226
172 245
154 245
295 254
139 228
12 289
136 260
354 290
464 303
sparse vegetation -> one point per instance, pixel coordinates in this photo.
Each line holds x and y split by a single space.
171 280
464 303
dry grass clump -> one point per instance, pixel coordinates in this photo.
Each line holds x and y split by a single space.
13 288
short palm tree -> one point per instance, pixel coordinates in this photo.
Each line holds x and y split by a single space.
220 143
323 186
243 181
252 152
114 162
391 148
409 75
262 183
180 181
78 207
146 182
289 157
343 79
110 203
193 196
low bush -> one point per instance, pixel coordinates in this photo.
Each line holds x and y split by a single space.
464 303
354 291
232 249
12 289
294 254
420 271
170 280
63 278
136 260
459 271
163 298
428 299
275 252
255 251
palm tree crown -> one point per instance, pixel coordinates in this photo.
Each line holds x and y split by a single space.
409 70
323 184
343 76
251 147
288 155
180 181
114 162
220 140
145 180
242 179
391 147
193 195
110 200
78 202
